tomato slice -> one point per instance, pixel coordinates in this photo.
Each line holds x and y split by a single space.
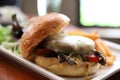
92 58
43 51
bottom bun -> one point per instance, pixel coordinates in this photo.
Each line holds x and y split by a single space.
65 69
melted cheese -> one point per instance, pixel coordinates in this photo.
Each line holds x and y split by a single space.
62 43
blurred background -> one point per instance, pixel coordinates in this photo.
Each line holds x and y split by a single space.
89 15
30 7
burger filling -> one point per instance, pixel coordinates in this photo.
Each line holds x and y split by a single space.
70 49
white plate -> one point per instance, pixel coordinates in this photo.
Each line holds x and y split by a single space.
101 74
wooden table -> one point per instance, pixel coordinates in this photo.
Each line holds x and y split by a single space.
10 70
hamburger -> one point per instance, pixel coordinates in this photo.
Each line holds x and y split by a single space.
44 43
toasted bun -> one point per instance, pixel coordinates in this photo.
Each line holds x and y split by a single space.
65 69
39 28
